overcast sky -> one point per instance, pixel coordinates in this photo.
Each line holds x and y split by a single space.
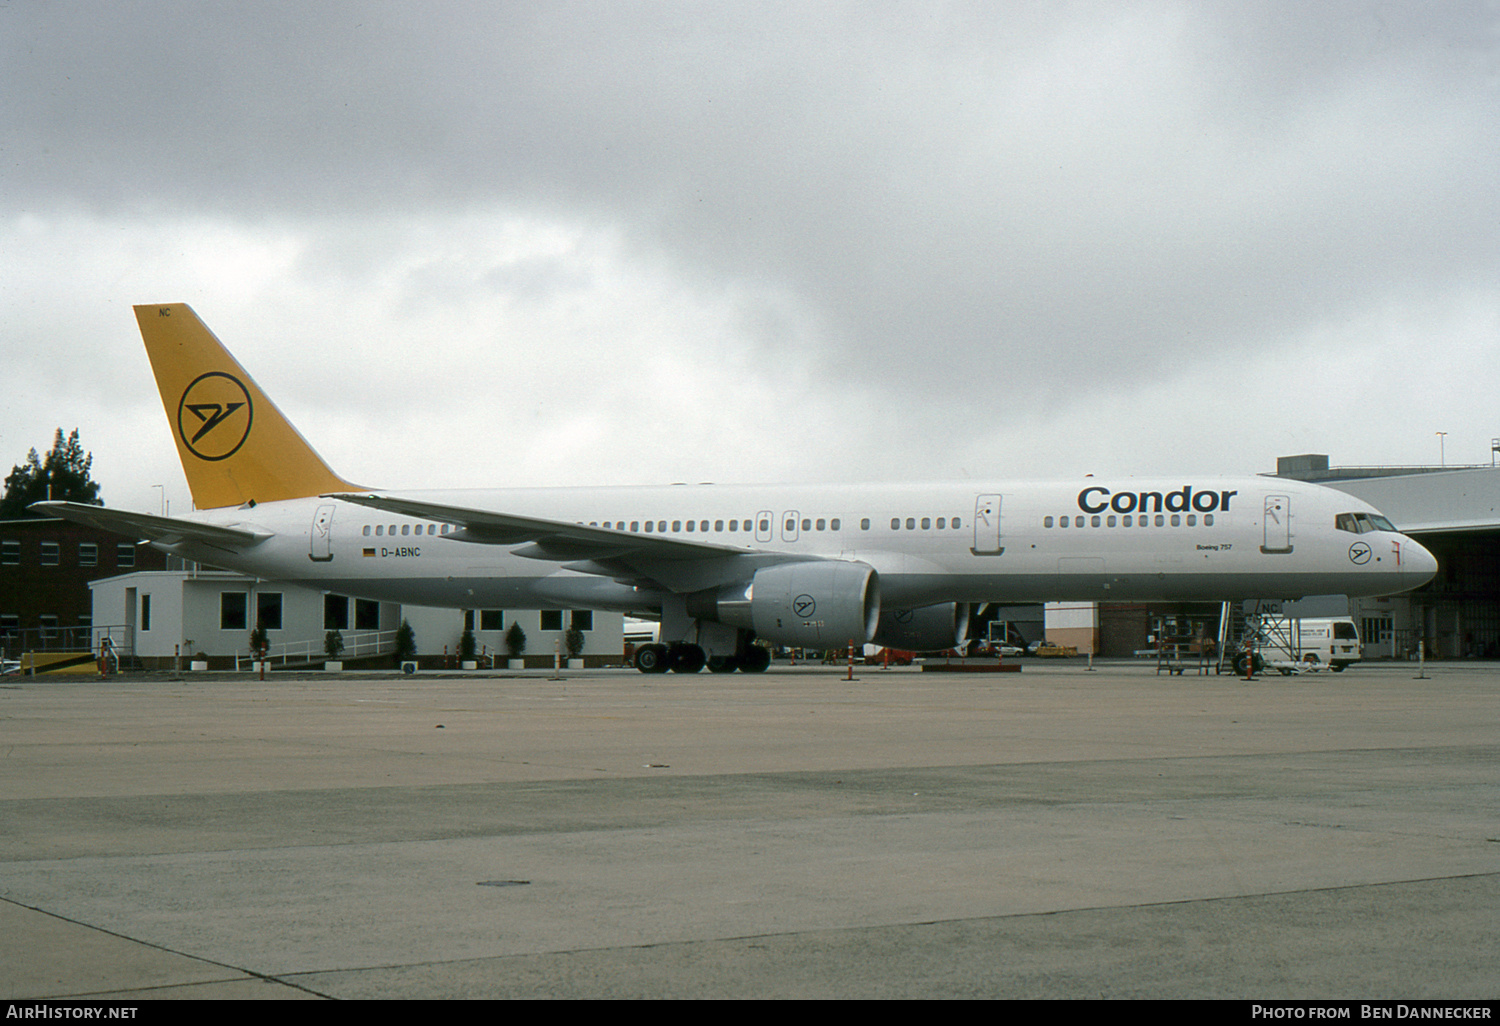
569 243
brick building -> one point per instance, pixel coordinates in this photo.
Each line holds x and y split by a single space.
45 569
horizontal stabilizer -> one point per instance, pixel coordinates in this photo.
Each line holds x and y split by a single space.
163 530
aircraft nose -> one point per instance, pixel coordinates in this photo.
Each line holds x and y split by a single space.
1417 561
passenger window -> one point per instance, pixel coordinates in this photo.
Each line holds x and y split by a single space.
676 526
1046 521
1094 520
833 525
864 524
718 525
926 523
911 523
1109 521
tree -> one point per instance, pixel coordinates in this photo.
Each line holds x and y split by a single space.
62 476
406 643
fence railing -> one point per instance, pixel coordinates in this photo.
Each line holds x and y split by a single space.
356 646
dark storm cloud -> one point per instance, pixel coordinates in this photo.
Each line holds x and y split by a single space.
1074 196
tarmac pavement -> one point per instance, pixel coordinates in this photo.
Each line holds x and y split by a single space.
1053 833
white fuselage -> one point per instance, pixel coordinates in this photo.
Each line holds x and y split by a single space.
1124 540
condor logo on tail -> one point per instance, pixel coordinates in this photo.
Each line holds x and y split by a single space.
208 418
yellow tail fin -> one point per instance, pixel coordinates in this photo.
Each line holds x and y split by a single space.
235 445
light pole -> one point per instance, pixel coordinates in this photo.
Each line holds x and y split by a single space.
1442 448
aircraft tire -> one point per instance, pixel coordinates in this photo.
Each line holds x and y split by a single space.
651 659
1239 663
686 658
755 660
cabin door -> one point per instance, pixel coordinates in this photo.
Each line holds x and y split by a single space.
322 535
1276 521
987 526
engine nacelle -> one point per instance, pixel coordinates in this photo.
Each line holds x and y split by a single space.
928 629
822 604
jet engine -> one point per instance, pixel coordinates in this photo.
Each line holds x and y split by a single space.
822 604
928 629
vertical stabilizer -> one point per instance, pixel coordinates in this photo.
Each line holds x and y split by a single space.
234 443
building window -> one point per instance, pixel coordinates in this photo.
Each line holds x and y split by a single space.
583 619
10 625
10 552
552 620
50 553
145 612
124 555
48 623
468 619
492 619
268 610
366 615
232 607
88 554
335 612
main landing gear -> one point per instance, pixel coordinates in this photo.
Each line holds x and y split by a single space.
684 658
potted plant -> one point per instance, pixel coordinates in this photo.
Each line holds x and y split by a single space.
467 646
406 647
573 640
333 646
515 646
200 661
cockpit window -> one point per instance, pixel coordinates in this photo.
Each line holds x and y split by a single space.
1361 523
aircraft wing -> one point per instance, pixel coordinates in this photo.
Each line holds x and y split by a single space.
629 557
163 530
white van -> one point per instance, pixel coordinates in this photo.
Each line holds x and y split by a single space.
1328 641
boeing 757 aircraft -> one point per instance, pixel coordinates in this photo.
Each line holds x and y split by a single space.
816 566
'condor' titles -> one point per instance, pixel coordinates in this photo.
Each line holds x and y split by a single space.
1097 499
